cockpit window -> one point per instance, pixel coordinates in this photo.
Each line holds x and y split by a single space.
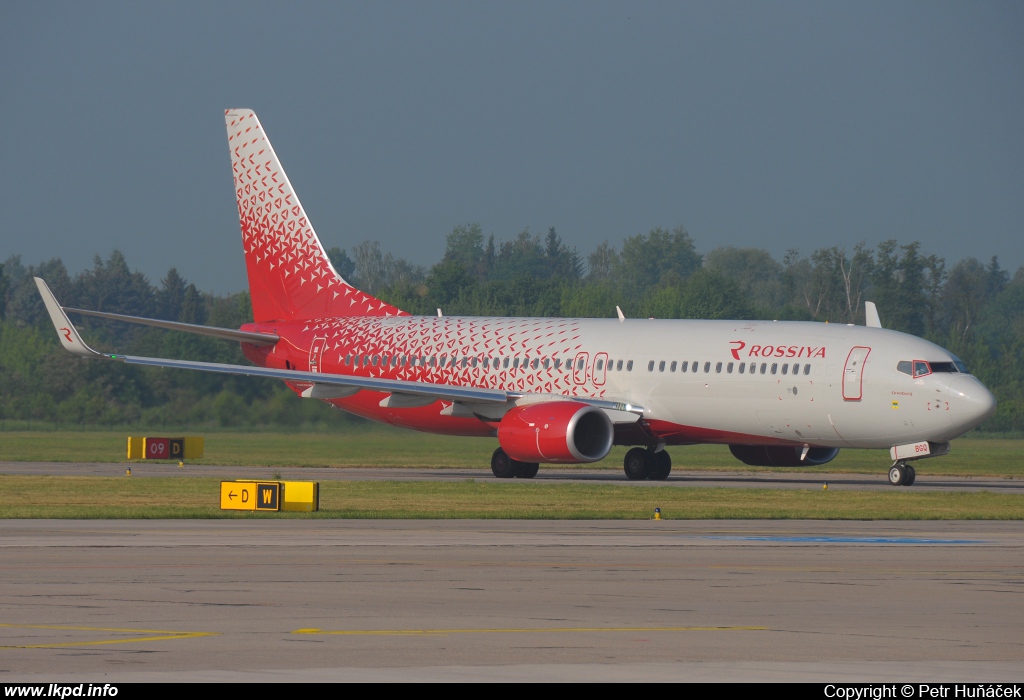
944 367
921 368
904 366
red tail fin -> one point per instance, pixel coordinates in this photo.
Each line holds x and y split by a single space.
290 276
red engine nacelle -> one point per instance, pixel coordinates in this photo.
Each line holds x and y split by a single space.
779 456
556 431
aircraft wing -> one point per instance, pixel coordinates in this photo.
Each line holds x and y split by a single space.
321 385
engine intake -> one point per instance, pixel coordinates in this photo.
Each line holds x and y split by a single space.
775 456
567 432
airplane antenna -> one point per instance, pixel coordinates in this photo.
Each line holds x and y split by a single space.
871 319
439 314
622 317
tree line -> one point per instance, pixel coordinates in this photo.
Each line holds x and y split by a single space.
973 308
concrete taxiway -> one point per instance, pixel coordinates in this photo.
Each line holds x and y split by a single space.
548 473
303 600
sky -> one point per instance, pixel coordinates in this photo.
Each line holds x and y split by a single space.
781 125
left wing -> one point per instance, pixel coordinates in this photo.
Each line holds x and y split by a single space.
322 386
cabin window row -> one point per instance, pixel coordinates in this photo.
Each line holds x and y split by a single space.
742 368
456 361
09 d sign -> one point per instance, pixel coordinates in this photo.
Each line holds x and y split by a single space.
164 448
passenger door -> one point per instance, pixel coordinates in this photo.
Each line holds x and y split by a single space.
853 373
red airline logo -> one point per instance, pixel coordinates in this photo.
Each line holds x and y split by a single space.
776 350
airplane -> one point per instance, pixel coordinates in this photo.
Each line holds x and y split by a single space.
565 390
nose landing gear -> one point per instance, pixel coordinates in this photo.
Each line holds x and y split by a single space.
902 474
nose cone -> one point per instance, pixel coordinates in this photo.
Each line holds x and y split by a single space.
970 402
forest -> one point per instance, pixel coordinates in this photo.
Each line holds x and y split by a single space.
974 308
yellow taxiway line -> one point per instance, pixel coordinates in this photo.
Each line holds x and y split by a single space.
152 636
529 630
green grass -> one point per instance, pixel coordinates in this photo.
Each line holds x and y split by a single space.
132 497
391 447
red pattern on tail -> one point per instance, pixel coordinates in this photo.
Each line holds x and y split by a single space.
290 276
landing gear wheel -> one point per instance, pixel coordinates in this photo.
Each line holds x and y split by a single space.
527 470
636 464
911 476
503 466
661 466
898 474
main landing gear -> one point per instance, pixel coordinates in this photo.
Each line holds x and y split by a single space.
643 463
901 474
504 467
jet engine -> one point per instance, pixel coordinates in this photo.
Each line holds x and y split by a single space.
556 431
775 456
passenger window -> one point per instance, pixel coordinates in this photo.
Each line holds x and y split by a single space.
743 367
558 363
505 363
661 366
472 363
618 366
536 363
785 368
650 366
728 368
764 367
707 368
694 367
807 369
775 367
600 365
672 367
718 368
348 359
629 366
515 363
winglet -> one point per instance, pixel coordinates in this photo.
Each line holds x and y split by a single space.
871 319
66 331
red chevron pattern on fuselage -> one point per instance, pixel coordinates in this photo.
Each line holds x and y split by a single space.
528 355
